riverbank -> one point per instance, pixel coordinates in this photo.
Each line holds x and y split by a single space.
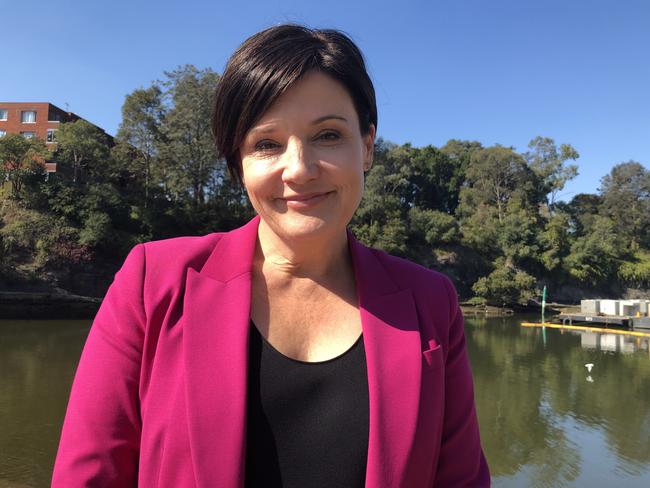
53 305
471 309
46 305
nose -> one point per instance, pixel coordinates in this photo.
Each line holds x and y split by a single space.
300 163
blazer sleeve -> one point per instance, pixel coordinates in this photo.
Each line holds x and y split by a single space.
461 462
100 439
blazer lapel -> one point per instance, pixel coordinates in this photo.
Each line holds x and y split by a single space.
215 343
391 338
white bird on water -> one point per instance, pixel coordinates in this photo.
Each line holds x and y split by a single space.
589 366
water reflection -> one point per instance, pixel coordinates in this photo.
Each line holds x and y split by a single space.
37 363
546 421
613 342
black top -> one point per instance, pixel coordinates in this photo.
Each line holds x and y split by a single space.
307 421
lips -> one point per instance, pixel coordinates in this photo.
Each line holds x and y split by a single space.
305 200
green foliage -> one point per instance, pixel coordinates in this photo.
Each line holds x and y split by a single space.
582 211
626 200
547 162
555 241
19 235
434 179
380 219
436 227
97 229
31 236
518 233
480 230
389 235
21 160
192 171
636 272
81 152
595 257
140 136
477 301
496 175
61 247
505 285
485 215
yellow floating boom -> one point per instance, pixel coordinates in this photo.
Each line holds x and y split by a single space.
586 329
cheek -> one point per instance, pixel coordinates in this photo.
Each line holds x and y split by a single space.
261 186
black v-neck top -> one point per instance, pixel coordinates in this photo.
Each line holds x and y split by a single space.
308 422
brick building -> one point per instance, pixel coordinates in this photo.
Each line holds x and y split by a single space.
34 119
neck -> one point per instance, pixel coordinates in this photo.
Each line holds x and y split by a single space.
316 258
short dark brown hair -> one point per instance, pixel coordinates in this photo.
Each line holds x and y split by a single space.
267 64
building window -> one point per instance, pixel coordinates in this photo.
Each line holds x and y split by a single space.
51 135
28 116
3 133
3 113
54 116
28 134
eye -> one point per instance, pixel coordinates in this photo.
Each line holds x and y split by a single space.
329 136
265 145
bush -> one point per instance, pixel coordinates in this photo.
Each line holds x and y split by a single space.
595 257
22 230
636 273
505 286
61 247
97 230
436 227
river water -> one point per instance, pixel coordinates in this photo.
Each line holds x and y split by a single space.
545 420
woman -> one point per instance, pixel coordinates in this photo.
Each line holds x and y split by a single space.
282 353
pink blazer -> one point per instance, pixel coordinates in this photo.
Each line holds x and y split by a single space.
159 396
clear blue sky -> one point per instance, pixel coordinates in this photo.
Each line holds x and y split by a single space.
496 71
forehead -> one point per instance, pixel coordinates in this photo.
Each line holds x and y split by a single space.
312 96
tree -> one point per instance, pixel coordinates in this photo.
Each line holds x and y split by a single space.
82 150
192 169
435 179
459 154
636 272
21 158
626 200
595 257
518 234
555 241
380 219
548 163
506 285
143 114
498 202
436 227
581 210
494 175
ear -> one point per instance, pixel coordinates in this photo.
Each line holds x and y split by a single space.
368 148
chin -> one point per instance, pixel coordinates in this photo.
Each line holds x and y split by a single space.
303 227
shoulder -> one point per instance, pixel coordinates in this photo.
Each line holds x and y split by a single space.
186 251
154 263
171 258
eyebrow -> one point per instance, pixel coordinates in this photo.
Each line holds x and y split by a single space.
265 130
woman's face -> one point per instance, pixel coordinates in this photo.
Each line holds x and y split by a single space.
303 161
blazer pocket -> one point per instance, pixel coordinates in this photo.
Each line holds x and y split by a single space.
432 359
